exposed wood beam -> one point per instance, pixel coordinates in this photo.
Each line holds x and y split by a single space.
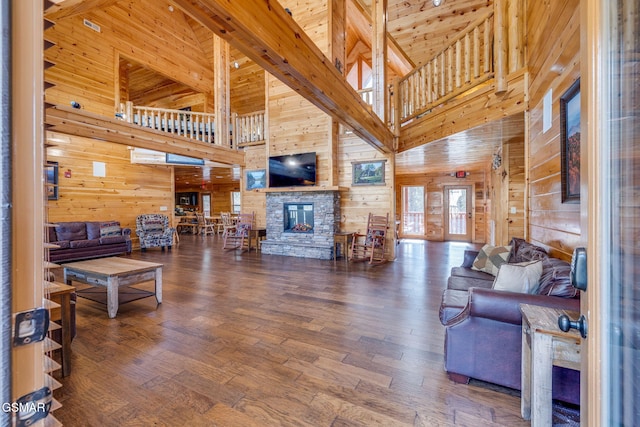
360 18
270 37
71 121
66 8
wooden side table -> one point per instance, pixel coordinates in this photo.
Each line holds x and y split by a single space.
543 346
344 240
61 294
258 234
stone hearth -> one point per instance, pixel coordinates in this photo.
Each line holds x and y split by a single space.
317 243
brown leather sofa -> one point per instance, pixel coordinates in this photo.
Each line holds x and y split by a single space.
79 240
483 325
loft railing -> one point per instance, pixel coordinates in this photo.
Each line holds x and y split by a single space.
464 64
366 95
247 128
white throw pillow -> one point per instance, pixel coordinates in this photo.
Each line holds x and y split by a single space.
523 277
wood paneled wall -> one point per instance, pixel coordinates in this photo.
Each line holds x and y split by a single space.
247 84
126 191
253 201
553 57
358 201
86 60
434 183
508 183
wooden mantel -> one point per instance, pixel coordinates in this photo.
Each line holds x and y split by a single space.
300 189
266 33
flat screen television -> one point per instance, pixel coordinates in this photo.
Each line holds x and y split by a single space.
292 170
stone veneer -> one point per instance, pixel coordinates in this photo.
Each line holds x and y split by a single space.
326 222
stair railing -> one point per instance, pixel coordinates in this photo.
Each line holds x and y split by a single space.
464 64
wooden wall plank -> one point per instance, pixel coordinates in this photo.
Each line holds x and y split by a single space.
553 58
126 191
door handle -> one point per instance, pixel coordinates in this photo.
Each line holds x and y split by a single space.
565 324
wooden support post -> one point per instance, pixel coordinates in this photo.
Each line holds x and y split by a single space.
222 96
500 46
379 58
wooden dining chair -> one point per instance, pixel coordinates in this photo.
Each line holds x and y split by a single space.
207 227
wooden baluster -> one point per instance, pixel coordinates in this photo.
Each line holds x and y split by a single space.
449 60
487 46
476 52
429 83
458 63
467 58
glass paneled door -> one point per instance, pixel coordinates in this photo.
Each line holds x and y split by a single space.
457 213
413 210
610 85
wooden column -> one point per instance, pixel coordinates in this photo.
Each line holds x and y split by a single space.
500 45
379 58
337 47
516 34
28 192
221 91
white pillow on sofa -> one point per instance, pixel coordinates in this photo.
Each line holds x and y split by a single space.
523 277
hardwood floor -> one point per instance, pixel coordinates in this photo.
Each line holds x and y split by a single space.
260 340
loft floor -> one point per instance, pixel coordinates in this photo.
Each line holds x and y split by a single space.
255 340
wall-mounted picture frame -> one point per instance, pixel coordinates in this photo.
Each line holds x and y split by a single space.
51 176
368 172
255 179
570 143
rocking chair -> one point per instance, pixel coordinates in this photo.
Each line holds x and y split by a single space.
237 237
371 246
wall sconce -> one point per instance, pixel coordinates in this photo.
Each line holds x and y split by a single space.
437 3
75 104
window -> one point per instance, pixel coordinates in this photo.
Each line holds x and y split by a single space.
413 210
235 202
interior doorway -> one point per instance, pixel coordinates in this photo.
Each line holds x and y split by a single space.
457 213
206 204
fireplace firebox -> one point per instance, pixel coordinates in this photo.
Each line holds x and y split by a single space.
298 218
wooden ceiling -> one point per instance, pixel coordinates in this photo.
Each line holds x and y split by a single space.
470 150
417 30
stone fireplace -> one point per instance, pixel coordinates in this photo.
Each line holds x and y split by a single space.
302 223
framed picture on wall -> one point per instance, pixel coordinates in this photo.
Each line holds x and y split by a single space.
570 143
368 173
51 176
256 179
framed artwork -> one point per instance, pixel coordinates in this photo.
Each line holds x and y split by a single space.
368 173
51 176
570 143
256 179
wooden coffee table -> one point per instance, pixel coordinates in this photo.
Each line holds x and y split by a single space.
112 273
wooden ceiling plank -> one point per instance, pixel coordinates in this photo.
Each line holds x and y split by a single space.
89 125
270 37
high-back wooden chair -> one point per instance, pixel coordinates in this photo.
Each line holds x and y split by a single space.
206 226
237 237
226 222
371 246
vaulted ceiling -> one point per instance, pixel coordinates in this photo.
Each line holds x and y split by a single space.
417 31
